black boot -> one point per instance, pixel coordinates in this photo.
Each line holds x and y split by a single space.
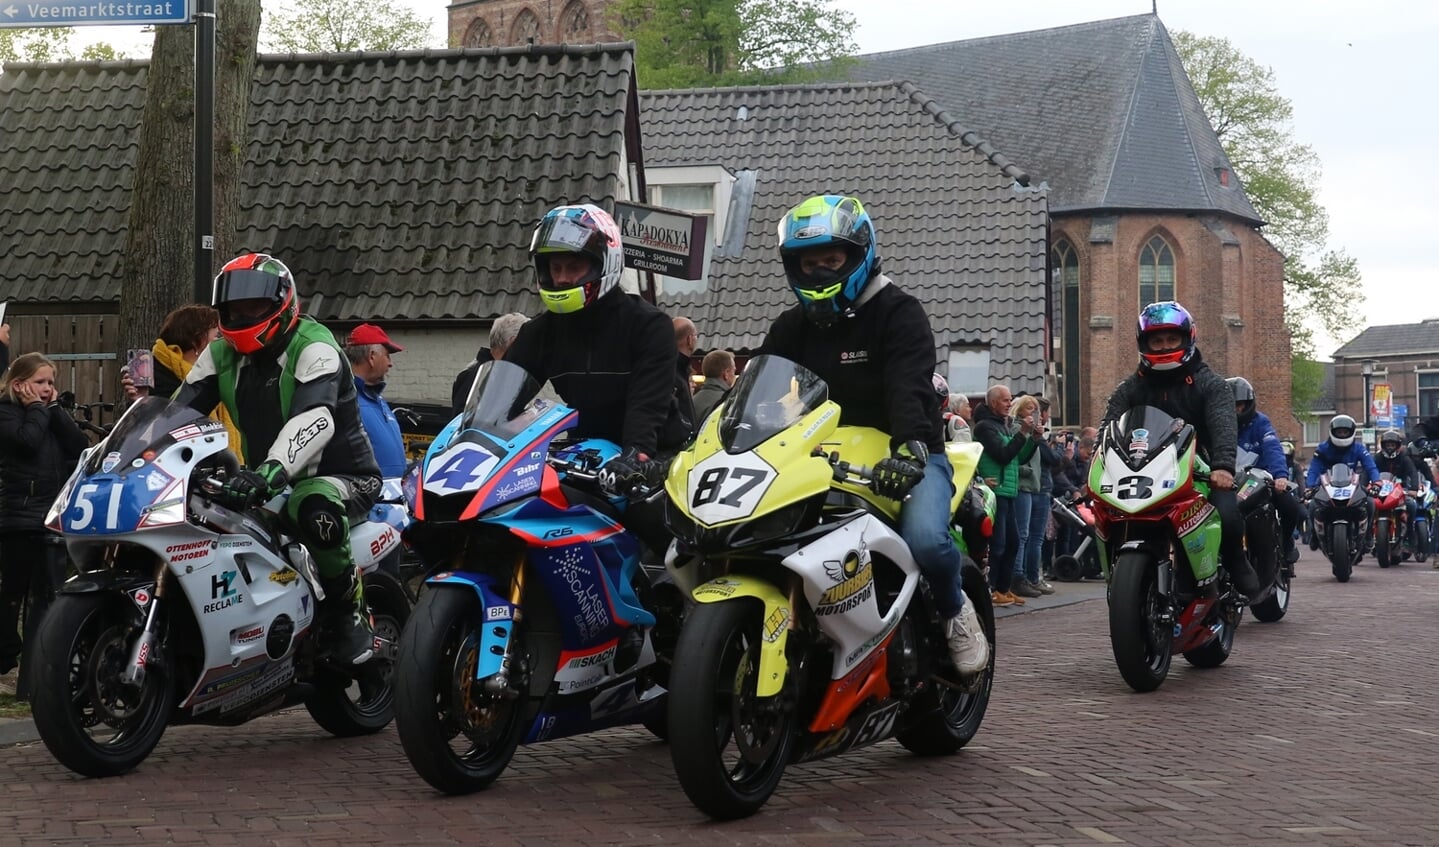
1245 579
345 620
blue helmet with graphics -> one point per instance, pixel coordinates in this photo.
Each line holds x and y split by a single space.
827 246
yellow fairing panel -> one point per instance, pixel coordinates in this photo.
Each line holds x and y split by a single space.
777 616
860 445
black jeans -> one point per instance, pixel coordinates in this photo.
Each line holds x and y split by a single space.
1231 545
1290 514
32 567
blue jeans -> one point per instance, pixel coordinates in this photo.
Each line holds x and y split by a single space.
1003 544
1032 516
924 526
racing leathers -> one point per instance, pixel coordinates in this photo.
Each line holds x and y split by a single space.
294 405
1257 436
1201 397
879 364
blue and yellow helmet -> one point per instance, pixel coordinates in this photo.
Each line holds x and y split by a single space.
824 223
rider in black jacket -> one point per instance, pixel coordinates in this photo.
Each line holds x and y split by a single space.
1172 376
1393 459
609 355
871 343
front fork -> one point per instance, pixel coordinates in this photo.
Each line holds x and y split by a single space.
147 646
499 683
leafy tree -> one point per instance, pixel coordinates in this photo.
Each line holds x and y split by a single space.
47 44
696 43
1280 176
158 270
342 26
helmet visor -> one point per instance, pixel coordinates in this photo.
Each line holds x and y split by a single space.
1162 315
237 293
561 234
1342 432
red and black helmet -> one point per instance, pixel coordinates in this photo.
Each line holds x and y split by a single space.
256 298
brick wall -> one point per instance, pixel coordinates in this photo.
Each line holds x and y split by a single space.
504 23
1226 274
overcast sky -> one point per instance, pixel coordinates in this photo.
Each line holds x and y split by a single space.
1361 77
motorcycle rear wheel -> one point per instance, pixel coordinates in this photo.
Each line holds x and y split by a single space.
346 706
1143 645
83 645
729 747
1339 555
950 719
458 737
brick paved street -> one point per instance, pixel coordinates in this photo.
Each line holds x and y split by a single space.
1317 731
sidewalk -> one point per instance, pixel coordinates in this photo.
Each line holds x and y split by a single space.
1065 594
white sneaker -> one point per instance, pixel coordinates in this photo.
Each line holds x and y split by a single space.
968 646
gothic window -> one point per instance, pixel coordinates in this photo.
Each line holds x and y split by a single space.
478 34
1066 282
575 24
526 29
1156 272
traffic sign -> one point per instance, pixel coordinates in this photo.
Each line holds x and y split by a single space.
42 13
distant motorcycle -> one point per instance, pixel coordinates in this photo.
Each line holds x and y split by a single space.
1390 511
1340 519
1263 538
1418 540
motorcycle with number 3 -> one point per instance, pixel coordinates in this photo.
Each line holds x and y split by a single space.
1159 539
185 610
812 632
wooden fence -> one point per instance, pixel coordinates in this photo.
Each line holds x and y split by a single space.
82 347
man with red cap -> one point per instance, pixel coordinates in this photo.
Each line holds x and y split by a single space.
371 355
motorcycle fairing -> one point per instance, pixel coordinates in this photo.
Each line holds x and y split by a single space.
588 577
498 612
773 666
837 572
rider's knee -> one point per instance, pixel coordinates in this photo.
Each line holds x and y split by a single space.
320 523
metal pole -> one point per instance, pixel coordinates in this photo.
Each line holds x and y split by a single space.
204 148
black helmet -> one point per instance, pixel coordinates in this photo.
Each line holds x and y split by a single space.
1243 398
1391 442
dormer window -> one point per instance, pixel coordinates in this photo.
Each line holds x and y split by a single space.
697 189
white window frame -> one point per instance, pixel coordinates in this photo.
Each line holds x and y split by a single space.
969 362
713 175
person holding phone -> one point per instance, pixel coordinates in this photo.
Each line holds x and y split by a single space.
184 335
39 445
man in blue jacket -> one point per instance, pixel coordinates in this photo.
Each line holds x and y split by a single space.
1342 448
1257 436
371 352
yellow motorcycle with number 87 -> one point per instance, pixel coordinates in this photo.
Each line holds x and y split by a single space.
812 631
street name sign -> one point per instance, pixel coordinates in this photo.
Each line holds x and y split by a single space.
42 13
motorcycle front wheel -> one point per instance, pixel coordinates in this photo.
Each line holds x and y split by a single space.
1340 561
729 746
1420 530
458 736
1143 644
1383 548
91 722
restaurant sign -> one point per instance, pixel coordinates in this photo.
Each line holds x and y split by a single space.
666 241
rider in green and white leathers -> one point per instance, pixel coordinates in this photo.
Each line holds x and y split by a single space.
290 392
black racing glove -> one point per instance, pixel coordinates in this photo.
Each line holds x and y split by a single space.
622 474
895 476
251 487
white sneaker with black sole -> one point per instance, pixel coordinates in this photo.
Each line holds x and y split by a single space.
968 646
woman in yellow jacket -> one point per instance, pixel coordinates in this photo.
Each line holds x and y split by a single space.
186 332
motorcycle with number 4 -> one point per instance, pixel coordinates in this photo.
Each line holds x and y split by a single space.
540 622
185 610
812 632
1159 540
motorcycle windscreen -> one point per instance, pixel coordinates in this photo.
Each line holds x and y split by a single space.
1341 476
1143 431
502 401
150 425
769 397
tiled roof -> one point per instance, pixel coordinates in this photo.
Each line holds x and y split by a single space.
393 184
953 227
1393 340
1103 112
